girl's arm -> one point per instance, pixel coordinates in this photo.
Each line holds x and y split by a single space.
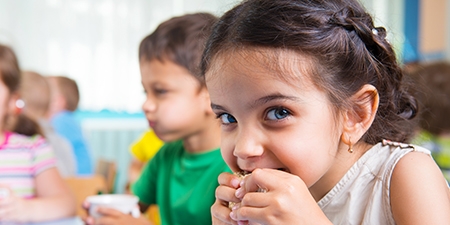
53 200
419 193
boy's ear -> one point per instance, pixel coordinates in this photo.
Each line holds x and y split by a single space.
59 103
359 119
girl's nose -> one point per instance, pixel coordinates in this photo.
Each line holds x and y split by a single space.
247 146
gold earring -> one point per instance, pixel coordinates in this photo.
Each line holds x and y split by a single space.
350 147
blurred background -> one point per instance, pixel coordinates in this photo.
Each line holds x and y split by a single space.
95 42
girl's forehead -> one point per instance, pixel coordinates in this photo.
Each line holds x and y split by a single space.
263 63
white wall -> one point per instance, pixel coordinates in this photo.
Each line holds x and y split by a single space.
93 41
96 41
389 14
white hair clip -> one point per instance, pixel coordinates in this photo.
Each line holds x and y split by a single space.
375 31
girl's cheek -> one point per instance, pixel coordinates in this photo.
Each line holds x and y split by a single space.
229 158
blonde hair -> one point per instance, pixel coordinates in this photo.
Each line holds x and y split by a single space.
35 92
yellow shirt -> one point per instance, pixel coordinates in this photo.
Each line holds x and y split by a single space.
147 146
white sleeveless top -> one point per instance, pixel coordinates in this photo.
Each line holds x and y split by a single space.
362 195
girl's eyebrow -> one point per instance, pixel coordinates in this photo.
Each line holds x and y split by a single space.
218 107
272 97
261 101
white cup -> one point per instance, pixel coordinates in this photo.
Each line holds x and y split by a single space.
126 204
4 192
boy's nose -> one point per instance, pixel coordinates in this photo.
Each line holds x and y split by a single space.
149 105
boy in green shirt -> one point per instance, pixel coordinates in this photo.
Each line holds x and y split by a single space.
182 177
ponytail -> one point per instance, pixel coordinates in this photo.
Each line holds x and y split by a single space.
26 126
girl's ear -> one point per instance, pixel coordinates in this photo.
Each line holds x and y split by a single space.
359 119
15 104
13 109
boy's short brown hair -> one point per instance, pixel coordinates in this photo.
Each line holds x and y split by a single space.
180 40
69 90
433 92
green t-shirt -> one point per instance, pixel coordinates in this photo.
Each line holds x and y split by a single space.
182 184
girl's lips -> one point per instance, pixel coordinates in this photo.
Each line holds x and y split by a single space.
246 172
151 124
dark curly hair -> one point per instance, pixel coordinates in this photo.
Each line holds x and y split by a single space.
339 37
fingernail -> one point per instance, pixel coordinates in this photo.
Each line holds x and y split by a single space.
239 193
235 183
233 215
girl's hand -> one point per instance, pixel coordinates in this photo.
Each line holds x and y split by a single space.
12 208
114 217
225 193
285 200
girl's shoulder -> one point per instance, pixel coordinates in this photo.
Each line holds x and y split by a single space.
390 153
15 140
404 146
415 185
394 151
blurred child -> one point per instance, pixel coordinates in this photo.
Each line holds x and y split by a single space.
141 152
433 82
307 93
35 92
182 177
31 187
63 102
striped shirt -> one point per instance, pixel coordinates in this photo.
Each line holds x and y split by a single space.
22 158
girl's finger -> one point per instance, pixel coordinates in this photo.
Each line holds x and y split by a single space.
109 212
85 204
257 199
226 194
257 215
105 221
89 220
229 179
221 213
265 180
